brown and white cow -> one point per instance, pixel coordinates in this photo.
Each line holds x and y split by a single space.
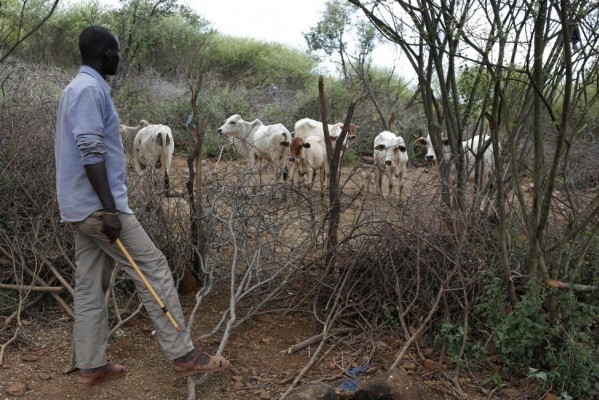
307 127
309 156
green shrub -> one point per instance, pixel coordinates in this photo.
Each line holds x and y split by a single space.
562 354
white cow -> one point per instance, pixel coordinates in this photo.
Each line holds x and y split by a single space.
307 157
470 147
258 142
128 134
153 147
390 159
306 127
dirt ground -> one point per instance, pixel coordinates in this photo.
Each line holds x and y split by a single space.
260 365
255 352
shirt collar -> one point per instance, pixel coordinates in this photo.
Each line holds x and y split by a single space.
90 71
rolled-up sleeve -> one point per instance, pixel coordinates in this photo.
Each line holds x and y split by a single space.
88 125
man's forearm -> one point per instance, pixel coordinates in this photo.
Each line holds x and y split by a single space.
96 173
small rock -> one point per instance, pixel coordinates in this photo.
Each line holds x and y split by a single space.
510 392
395 384
264 395
409 365
314 391
550 396
332 366
16 389
430 365
29 358
44 376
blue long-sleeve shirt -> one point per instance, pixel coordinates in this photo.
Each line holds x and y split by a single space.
87 132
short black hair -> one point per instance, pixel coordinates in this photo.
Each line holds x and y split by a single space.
94 41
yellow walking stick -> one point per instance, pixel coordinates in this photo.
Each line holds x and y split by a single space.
148 285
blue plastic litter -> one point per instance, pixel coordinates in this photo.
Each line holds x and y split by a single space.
350 385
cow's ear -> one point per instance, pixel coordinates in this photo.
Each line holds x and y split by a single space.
422 142
402 148
159 138
306 145
143 123
380 147
446 142
352 138
284 143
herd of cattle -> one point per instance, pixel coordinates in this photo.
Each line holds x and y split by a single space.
300 154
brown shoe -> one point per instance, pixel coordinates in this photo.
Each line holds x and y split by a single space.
200 363
108 372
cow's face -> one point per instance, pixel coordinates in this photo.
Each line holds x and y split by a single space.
232 126
393 152
296 148
425 142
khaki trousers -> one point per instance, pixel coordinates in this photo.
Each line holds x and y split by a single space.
94 258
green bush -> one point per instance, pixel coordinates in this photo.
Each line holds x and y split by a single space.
560 353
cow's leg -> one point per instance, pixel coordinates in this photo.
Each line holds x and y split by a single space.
167 183
325 181
486 192
311 178
401 180
255 169
390 175
168 158
292 172
378 179
138 167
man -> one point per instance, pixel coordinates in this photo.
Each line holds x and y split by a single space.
92 195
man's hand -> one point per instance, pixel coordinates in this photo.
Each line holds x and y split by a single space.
111 226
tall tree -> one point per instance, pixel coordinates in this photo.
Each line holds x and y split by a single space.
19 20
330 33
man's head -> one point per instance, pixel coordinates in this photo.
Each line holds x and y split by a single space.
99 49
